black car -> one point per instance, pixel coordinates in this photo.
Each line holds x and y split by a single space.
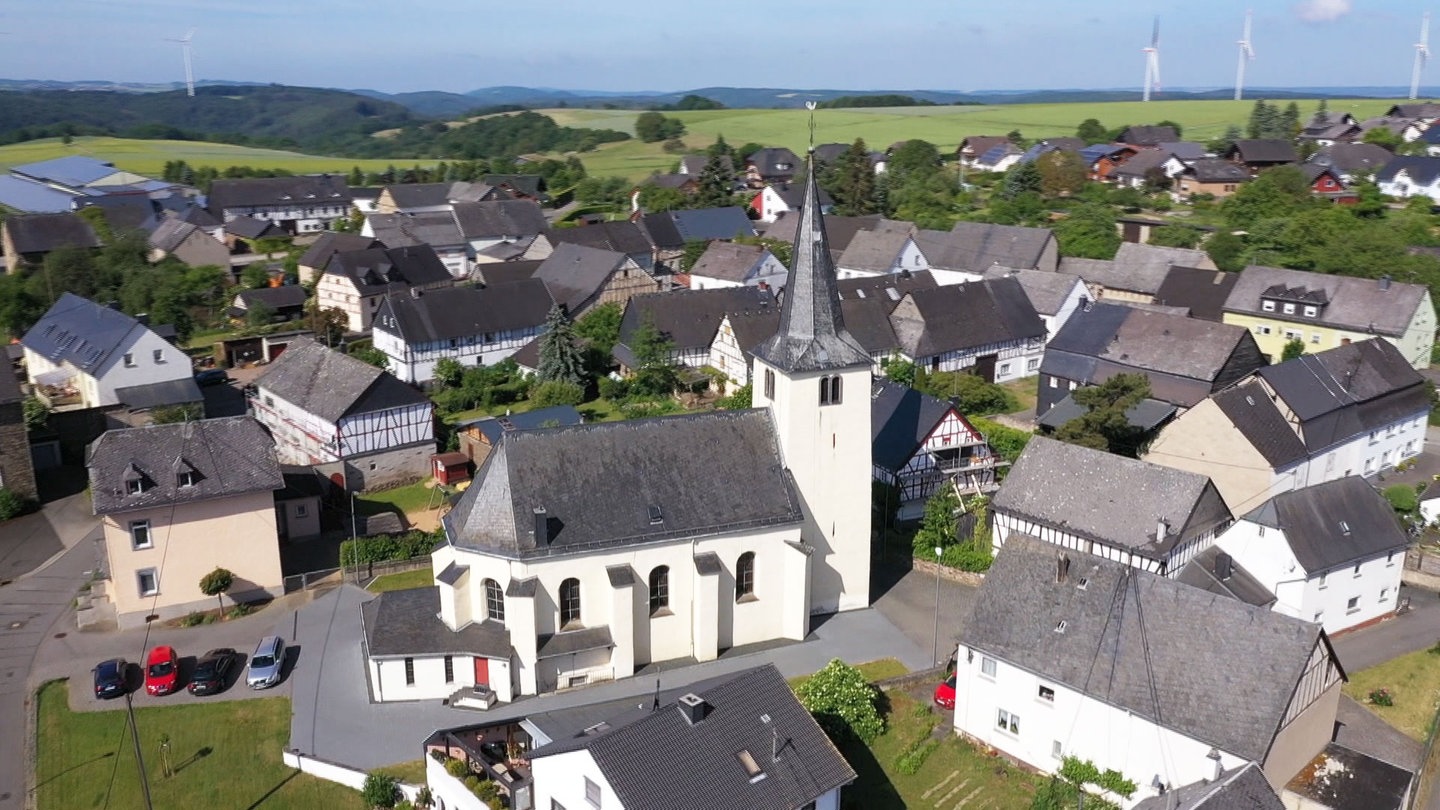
212 376
110 679
212 671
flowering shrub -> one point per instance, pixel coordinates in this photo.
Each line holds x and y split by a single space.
842 702
1382 697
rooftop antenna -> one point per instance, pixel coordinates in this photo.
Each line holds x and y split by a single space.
1422 54
189 69
1152 63
1247 53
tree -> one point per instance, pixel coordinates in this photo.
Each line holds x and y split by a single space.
216 584
1380 136
560 357
652 127
371 355
259 314
1105 426
1227 251
36 413
717 181
851 181
1088 232
1091 131
1062 172
1180 236
255 276
655 198
655 375
1019 179
843 703
600 327
1179 130
1278 192
1289 122
1293 349
448 372
938 528
381 790
1221 144
557 392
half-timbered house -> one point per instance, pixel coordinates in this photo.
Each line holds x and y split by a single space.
687 320
920 444
989 326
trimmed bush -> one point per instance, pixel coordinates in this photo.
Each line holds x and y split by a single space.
913 757
380 790
385 547
843 702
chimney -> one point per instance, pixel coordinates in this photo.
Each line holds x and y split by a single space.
142 318
1224 566
542 527
416 292
1385 282
1162 528
693 708
1062 567
1214 756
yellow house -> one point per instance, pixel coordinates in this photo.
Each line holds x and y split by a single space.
178 501
1323 311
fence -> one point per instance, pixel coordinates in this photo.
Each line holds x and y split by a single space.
337 773
326 577
365 573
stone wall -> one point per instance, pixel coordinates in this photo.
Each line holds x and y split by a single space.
391 468
16 470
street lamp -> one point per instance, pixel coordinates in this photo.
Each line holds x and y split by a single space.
935 645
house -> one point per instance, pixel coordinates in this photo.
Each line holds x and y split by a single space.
71 182
988 326
621 237
580 277
1328 129
1144 515
1354 410
1351 161
187 242
519 186
479 437
881 252
17 470
920 444
1331 553
839 230
694 165
773 164
1431 138
1102 159
1407 176
1325 182
299 204
778 199
79 353
354 423
473 326
1136 272
283 303
580 554
1202 291
1055 296
421 198
973 146
486 224
1218 178
1143 170
242 233
970 248
1344 777
730 264
28 238
1147 136
1257 155
1067 654
1324 311
1184 359
687 319
998 158
177 501
1214 570
669 231
317 257
686 184
437 230
357 281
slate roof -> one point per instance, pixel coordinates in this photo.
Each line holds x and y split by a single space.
233 455
531 185
838 230
575 273
660 229
253 228
42 233
728 261
1130 641
1147 414
874 251
975 246
1263 150
1360 304
502 272
753 328
1334 524
1201 291
1418 109
828 153
131 212
1147 265
1148 135
491 427
1137 166
621 237
1213 170
1249 408
251 192
891 287
768 162
171 233
418 195
689 318
868 321
965 316
80 332
465 311
332 385
1183 357
659 759
1217 572
1047 291
707 472
389 270
1422 170
1243 788
704 224
1099 496
183 391
331 242
407 623
1349 158
793 195
9 388
434 228
500 218
901 419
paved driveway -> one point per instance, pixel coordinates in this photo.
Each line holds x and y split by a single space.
1392 638
907 598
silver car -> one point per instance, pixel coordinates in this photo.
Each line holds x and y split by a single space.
266 663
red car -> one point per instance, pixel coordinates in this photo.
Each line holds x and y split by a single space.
162 671
945 693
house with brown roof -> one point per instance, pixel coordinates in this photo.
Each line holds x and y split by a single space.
1218 178
1148 135
973 146
1257 155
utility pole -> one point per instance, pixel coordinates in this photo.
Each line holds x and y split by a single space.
935 644
139 758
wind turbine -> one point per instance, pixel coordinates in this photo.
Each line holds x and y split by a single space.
1422 53
1247 53
189 69
1152 63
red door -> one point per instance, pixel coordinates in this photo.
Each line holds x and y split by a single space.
482 671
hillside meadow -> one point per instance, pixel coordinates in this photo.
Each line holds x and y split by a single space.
149 157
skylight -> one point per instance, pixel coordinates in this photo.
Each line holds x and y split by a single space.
752 768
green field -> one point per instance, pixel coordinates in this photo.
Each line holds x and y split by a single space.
149 157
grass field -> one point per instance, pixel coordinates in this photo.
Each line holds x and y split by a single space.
1414 683
149 157
403 581
225 754
877 670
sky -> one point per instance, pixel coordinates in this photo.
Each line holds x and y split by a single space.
646 45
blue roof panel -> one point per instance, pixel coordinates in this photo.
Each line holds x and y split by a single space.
73 170
32 198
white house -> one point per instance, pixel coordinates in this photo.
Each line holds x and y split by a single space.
920 444
779 199
348 419
989 326
79 353
688 320
1055 296
300 204
472 325
1152 517
730 264
878 252
1331 553
356 281
1410 176
1069 655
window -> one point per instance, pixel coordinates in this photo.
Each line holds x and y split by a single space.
1352 605
830 390
135 486
129 360
140 536
409 671
745 576
1322 580
494 601
1315 338
1047 693
1357 566
158 355
769 384
1289 309
301 510
1390 559
1262 329
449 669
186 478
1057 750
1004 368
987 666
1268 306
1319 616
1291 334
148 581
592 793
1032 364
1006 721
660 590
569 603
1054 382
1311 312
1384 594
1374 436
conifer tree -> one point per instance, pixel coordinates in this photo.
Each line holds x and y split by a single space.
560 358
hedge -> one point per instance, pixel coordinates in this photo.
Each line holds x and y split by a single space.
385 547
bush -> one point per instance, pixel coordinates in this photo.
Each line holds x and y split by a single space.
457 768
385 547
557 392
11 504
1402 498
843 703
1382 697
239 610
612 389
192 619
968 557
914 756
1008 442
380 790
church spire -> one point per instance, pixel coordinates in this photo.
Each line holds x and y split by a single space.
812 334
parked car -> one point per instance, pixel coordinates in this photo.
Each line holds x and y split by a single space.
212 671
945 693
266 663
110 678
211 376
162 671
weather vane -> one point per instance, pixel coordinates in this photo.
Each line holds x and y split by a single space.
810 105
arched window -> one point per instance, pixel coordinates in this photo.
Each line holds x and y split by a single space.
830 390
745 576
494 601
769 384
659 589
569 603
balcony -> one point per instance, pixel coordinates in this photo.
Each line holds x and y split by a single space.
497 753
947 463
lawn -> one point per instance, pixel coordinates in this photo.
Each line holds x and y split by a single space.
1025 390
416 497
225 754
877 670
149 157
596 410
1414 683
405 580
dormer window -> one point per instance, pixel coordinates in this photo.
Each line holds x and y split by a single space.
1289 309
1311 312
135 486
187 478
1268 306
135 481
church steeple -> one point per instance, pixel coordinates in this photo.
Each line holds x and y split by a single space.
812 334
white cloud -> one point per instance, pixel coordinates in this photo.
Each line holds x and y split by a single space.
1322 10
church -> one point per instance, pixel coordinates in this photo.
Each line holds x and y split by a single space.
581 554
